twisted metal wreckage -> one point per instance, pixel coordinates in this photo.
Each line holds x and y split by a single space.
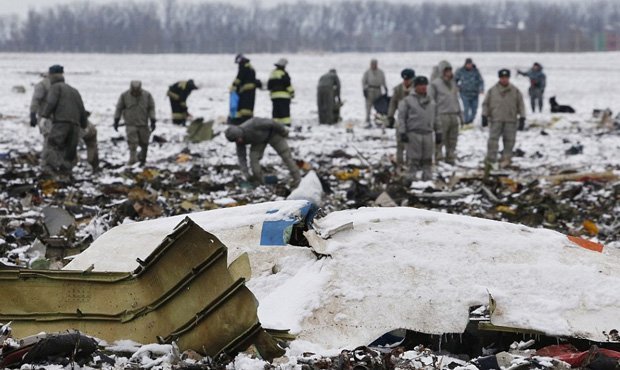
183 292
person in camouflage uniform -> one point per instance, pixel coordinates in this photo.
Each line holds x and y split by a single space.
88 134
258 132
137 107
65 109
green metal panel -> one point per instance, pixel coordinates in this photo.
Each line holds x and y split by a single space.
183 291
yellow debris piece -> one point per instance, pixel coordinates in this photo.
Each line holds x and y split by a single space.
505 210
345 175
590 227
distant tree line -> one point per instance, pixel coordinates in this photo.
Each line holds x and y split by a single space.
170 27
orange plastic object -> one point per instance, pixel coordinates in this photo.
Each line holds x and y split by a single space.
597 247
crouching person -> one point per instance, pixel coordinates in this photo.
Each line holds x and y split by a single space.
258 132
417 121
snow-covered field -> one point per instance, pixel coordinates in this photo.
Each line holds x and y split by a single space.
585 81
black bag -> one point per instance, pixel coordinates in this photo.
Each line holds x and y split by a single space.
382 104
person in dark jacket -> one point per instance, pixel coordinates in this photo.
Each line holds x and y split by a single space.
178 94
65 108
258 132
471 85
245 84
328 98
538 83
282 92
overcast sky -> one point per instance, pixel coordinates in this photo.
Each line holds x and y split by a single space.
21 6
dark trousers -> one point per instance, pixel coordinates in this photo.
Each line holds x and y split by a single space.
536 96
62 144
326 103
179 111
281 111
245 109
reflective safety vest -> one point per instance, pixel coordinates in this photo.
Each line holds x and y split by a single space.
280 85
246 79
180 91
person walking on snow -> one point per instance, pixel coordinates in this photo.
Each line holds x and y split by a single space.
471 85
417 117
372 84
282 92
399 92
65 109
88 134
538 83
503 109
258 132
137 107
444 92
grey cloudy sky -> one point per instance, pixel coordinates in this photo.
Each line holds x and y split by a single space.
21 6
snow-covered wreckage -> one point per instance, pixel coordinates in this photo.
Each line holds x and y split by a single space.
355 275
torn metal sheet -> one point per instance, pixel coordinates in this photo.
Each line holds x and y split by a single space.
422 271
278 232
384 200
459 193
183 291
199 131
239 228
56 219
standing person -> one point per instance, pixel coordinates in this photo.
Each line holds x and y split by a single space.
399 93
136 105
328 98
258 132
282 92
39 96
88 134
372 84
37 105
502 108
65 108
538 82
417 123
470 85
178 94
245 84
444 92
